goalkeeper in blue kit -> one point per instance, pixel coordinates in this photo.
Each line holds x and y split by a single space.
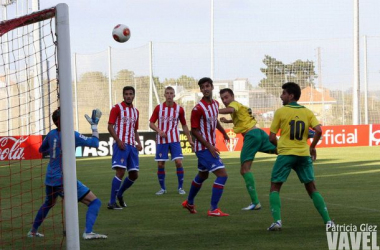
54 181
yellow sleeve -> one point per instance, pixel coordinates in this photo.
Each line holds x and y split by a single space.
234 105
276 123
314 121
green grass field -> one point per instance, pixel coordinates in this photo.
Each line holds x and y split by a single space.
347 178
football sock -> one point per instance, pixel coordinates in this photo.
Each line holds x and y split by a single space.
320 205
250 184
126 184
275 205
114 189
41 215
92 214
161 177
180 175
217 191
196 185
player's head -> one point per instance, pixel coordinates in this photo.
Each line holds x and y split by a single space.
291 93
128 94
169 94
56 117
206 86
227 96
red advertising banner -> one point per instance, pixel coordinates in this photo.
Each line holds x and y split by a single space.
332 136
374 133
26 147
20 147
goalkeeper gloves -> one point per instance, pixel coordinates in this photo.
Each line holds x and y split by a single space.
94 120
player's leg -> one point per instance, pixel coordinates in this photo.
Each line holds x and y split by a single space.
161 177
217 189
196 184
162 155
177 156
266 145
305 172
50 200
133 171
250 147
93 203
280 173
119 165
180 175
319 202
275 206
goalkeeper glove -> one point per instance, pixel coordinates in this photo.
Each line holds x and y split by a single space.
94 120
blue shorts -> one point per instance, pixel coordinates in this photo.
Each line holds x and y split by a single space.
162 151
127 158
206 162
53 192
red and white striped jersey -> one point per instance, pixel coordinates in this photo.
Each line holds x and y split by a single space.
125 120
168 118
204 117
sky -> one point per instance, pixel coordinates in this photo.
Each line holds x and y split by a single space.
244 32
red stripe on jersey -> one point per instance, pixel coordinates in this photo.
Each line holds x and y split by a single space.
168 118
207 122
126 122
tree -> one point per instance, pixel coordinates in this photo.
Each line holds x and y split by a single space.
125 76
93 76
277 73
187 82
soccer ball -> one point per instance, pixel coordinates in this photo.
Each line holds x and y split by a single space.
121 33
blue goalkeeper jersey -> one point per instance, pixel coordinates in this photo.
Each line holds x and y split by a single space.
52 145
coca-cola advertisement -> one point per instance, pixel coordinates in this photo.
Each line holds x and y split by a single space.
20 147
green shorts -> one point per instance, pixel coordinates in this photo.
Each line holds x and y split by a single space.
301 164
256 140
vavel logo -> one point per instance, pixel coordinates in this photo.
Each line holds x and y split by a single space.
352 237
105 147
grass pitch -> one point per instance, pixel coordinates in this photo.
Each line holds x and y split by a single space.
347 178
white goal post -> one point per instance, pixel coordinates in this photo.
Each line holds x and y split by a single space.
64 81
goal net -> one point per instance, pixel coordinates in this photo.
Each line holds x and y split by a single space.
33 83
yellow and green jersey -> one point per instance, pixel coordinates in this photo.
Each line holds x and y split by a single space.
242 117
294 121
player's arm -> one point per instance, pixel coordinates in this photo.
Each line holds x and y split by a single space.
274 128
137 138
197 134
81 140
44 145
228 110
221 129
273 138
317 136
111 122
187 133
185 128
225 120
152 122
159 131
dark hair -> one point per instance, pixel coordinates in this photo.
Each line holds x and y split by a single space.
292 89
204 80
128 88
170 88
56 115
222 91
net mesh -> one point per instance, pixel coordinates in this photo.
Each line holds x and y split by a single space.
29 95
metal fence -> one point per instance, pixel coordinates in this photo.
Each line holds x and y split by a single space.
253 68
326 84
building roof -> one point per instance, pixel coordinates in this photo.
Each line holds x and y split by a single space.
313 95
